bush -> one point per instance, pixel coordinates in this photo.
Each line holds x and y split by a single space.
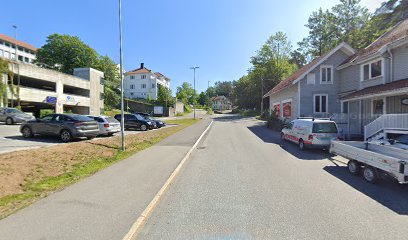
275 123
45 112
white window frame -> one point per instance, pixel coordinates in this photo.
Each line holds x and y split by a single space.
143 76
143 86
314 102
153 86
132 86
342 107
312 79
132 77
369 69
321 74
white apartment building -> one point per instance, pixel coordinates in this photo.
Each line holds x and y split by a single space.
25 52
144 83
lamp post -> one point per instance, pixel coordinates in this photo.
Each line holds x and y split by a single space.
122 115
194 69
17 66
262 102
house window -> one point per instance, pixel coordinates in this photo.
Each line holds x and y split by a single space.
26 60
378 107
311 78
153 85
372 70
132 77
132 86
320 103
143 76
144 85
20 58
287 108
326 74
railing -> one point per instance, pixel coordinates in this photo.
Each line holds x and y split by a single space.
386 121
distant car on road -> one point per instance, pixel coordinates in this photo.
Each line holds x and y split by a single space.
136 121
13 115
107 125
66 126
159 123
310 132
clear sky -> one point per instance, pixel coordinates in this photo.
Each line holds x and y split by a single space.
169 36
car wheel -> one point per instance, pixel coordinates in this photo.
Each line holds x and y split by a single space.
353 167
370 174
302 145
66 136
143 127
283 137
27 133
9 121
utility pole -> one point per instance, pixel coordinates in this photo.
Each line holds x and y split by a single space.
194 68
262 87
122 114
17 65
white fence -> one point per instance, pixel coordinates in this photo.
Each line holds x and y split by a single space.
386 121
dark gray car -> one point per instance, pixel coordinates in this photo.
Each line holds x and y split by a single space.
66 126
13 115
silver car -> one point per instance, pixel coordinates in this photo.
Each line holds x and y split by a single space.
13 115
107 125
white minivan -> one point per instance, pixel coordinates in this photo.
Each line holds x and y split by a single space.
310 132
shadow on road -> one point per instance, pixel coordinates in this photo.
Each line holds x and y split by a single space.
386 192
269 136
230 118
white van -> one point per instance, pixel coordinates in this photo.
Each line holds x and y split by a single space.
310 132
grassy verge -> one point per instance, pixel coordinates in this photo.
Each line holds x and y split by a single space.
33 174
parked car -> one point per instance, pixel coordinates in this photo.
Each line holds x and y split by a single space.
310 133
66 126
159 123
107 125
136 121
13 115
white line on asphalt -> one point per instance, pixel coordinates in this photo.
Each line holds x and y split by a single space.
137 226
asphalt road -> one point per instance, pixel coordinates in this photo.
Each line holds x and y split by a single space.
241 183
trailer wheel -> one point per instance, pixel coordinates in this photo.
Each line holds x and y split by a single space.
370 174
353 167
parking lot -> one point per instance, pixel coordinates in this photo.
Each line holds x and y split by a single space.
11 139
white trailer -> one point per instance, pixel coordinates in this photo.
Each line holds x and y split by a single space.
373 160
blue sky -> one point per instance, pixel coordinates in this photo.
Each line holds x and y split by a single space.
220 36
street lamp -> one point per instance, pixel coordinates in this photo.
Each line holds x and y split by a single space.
194 69
17 66
122 115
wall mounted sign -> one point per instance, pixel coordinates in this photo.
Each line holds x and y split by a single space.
50 99
404 101
287 109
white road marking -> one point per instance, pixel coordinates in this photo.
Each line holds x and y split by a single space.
137 226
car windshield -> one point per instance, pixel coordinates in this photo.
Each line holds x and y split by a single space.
139 117
111 120
13 110
329 127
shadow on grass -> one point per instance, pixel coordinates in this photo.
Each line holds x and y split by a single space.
269 136
387 192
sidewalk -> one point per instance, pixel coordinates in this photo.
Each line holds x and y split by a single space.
105 205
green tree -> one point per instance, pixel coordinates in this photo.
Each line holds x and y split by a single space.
164 96
323 34
4 85
112 81
64 53
203 99
186 93
223 88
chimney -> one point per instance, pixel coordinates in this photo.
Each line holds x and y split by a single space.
142 65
